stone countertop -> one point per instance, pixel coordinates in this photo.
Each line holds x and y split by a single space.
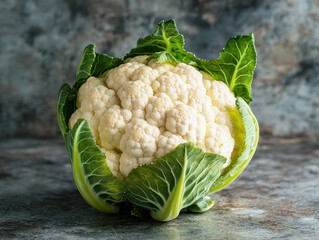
277 196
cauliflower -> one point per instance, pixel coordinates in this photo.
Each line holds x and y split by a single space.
160 128
143 110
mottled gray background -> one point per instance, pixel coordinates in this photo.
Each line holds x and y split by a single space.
41 43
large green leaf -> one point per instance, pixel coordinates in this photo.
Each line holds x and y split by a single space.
85 66
235 65
95 64
92 176
174 181
165 44
250 144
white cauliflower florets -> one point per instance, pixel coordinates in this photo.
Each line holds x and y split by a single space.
145 74
112 125
167 142
138 59
160 67
112 160
182 120
135 95
99 99
190 75
140 139
143 109
127 163
86 89
219 140
157 108
92 120
220 94
172 85
117 77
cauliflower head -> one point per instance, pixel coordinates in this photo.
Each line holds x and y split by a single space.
142 110
159 129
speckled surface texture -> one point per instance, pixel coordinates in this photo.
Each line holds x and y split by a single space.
42 41
276 197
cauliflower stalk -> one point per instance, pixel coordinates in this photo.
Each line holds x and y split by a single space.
160 129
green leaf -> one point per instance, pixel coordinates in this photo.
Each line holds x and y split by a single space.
103 63
66 107
174 181
202 206
250 145
165 44
84 69
234 67
95 64
92 176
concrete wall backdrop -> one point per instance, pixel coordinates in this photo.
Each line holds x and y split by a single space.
42 41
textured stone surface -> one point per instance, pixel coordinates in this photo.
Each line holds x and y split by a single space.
276 197
42 41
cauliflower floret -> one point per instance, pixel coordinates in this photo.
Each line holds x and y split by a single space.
223 118
113 162
200 128
197 99
138 59
157 108
160 67
140 139
92 120
117 77
220 94
127 163
232 120
99 99
138 113
112 125
135 95
182 120
209 111
190 75
86 89
145 74
168 142
171 84
219 140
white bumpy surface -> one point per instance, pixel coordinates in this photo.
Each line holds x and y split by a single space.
142 110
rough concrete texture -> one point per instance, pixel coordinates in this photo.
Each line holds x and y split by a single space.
276 197
42 41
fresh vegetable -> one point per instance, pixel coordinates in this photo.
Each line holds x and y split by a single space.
160 128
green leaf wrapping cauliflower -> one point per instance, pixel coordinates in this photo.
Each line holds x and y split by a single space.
161 129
